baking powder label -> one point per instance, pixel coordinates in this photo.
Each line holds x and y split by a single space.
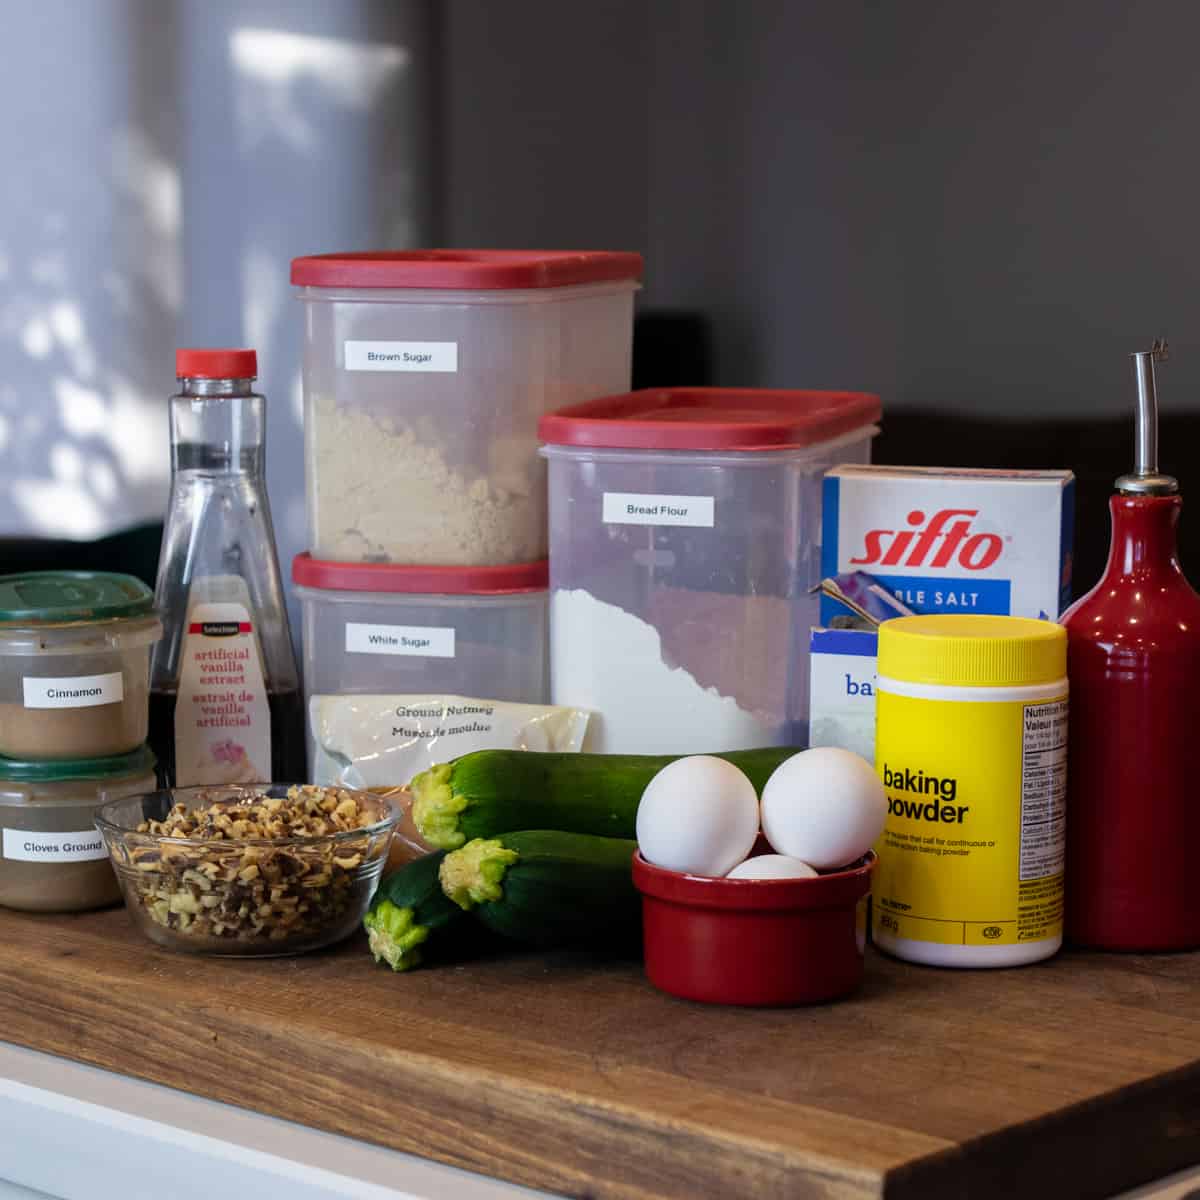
222 720
85 845
630 508
416 640
402 356
73 691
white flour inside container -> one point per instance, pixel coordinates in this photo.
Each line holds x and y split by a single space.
611 662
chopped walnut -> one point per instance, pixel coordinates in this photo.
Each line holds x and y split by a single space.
237 887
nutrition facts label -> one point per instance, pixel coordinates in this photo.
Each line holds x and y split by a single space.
1043 789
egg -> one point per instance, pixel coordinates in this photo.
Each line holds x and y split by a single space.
772 866
824 806
699 815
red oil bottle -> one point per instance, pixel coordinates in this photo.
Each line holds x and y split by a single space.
1133 819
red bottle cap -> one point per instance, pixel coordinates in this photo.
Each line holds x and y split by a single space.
216 364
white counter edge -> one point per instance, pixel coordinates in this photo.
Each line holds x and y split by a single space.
80 1133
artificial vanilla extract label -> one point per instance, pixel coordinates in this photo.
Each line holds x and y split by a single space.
415 640
631 508
439 357
222 719
73 691
84 845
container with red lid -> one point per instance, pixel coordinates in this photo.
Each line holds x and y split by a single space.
685 531
379 629
754 941
425 373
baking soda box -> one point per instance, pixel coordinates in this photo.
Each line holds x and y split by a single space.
952 540
940 540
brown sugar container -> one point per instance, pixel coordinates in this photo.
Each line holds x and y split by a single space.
52 858
74 664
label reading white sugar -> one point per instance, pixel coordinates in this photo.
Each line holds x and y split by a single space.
85 845
630 508
402 356
399 639
75 691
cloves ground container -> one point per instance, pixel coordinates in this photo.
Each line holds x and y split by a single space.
971 745
769 942
52 858
74 664
425 373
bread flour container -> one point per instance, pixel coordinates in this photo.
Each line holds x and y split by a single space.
52 859
74 663
425 373
381 629
684 538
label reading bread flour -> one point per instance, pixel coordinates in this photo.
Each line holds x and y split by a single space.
631 508
73 691
402 356
84 845
972 849
222 719
415 640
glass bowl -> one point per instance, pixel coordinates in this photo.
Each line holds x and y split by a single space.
240 894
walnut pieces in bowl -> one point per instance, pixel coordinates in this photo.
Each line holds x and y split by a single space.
262 869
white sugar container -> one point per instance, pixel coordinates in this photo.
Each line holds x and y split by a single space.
390 630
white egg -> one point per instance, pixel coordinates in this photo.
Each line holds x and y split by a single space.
699 815
772 866
824 806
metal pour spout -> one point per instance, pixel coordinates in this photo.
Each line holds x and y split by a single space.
1146 480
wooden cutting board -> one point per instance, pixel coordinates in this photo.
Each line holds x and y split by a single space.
1078 1077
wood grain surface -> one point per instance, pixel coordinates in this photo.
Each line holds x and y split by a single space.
1078 1077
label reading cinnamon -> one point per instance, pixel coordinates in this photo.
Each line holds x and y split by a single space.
222 719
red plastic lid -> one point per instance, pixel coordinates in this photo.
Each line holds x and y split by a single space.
432 581
710 419
465 270
216 364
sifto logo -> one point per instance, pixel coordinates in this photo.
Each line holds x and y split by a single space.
944 539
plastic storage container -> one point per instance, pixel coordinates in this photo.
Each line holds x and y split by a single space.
466 631
754 941
74 664
684 538
425 373
52 858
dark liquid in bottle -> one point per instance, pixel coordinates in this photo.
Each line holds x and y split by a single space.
289 751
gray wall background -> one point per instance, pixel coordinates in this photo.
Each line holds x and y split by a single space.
966 207
975 207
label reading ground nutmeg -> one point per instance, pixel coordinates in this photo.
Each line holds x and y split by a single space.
222 717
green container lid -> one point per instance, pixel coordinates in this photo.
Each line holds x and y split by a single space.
70 597
138 762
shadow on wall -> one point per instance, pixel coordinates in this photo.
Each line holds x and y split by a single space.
185 153
90 279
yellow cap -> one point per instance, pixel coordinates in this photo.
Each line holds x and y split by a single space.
965 650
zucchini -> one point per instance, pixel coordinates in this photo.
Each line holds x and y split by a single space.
547 887
408 907
489 792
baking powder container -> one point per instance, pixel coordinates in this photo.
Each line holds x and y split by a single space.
971 745
685 531
74 664
52 858
754 941
425 373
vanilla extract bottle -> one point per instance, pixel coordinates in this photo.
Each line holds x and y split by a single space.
225 701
